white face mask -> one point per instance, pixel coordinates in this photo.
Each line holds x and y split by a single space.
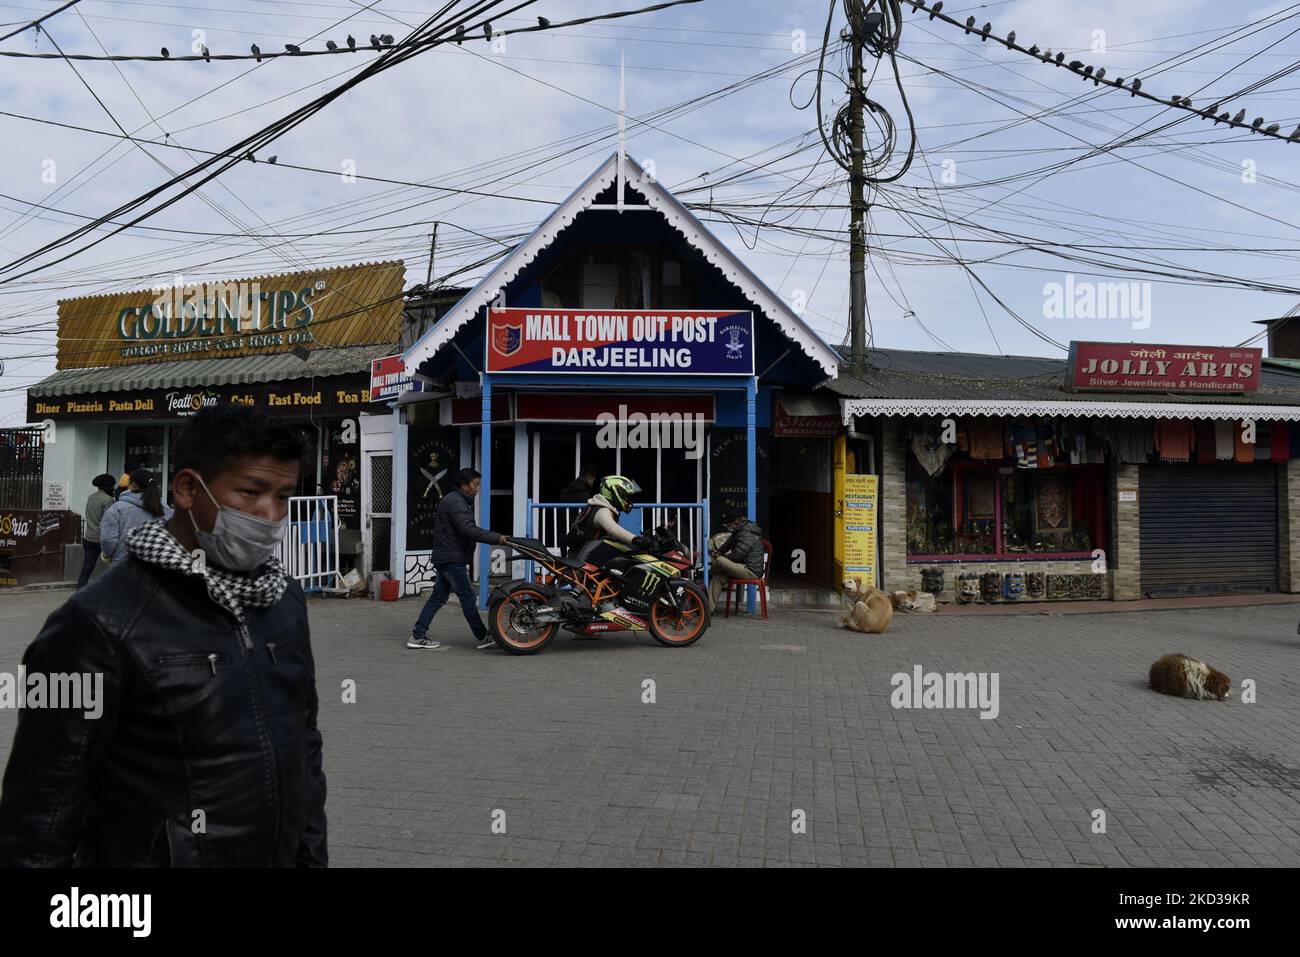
238 541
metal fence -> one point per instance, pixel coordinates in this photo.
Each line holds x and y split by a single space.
22 466
310 550
550 522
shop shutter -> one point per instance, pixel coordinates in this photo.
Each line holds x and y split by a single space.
1208 529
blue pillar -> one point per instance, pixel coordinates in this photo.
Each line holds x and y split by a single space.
485 493
751 465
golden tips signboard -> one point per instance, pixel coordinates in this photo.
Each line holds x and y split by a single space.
342 306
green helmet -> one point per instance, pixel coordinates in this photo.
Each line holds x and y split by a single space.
618 490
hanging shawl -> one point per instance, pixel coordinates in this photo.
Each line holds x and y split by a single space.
932 453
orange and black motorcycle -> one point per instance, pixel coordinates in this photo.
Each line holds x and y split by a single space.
620 588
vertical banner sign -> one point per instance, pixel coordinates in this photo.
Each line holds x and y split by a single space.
861 493
431 470
676 342
341 470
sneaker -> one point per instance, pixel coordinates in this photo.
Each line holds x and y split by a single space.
485 642
414 642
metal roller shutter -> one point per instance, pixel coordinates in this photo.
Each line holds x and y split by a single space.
1208 529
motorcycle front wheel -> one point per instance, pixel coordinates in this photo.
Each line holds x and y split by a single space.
509 619
684 625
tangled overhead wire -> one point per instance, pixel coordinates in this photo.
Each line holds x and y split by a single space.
876 26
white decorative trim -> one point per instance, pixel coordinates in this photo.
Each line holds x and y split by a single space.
677 216
1085 408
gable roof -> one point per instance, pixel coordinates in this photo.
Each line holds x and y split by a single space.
696 234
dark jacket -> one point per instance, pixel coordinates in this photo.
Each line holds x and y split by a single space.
240 745
745 546
454 531
576 491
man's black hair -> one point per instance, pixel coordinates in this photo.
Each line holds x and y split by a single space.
219 435
465 476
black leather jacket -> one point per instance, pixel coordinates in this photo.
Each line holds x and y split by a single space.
193 721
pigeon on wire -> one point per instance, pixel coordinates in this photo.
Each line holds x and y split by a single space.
1011 38
257 53
460 33
352 42
984 31
165 53
1137 85
487 31
936 8
970 22
374 41
272 159
207 57
1241 115
386 39
544 23
293 49
331 45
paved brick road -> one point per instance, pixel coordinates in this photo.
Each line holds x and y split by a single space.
762 719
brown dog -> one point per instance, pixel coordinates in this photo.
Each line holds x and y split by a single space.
1189 677
869 609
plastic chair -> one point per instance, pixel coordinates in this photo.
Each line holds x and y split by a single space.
735 584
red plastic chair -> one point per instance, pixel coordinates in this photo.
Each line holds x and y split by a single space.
734 586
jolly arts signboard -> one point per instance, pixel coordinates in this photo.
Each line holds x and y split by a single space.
1132 367
641 342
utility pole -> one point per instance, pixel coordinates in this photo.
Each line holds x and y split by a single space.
858 204
433 249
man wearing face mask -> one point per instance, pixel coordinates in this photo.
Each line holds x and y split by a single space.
203 749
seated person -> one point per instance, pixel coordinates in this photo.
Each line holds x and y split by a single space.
736 553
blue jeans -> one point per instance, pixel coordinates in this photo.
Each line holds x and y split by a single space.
90 558
452 577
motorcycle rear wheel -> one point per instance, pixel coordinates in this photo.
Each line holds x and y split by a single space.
510 634
684 626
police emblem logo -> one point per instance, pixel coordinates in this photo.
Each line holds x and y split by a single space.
507 339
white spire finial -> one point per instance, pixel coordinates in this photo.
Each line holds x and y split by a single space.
622 127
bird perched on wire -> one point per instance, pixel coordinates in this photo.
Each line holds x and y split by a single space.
331 45
386 39
1033 50
460 33
272 159
1099 76
1295 134
1137 85
352 42
1241 115
1273 128
984 31
257 53
374 41
1074 64
207 57
970 22
487 31
1060 58
292 48
1258 122
936 8
165 53
544 23
1011 38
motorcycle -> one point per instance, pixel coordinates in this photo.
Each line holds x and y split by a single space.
628 589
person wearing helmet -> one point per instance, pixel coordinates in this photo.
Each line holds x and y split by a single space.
613 497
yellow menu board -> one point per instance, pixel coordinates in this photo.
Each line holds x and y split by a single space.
861 498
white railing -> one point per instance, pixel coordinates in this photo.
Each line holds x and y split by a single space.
550 522
310 550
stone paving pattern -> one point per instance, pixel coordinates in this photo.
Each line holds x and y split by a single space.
761 719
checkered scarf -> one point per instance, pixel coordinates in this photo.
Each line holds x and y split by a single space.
151 542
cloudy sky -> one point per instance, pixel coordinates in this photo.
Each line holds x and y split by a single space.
1026 182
